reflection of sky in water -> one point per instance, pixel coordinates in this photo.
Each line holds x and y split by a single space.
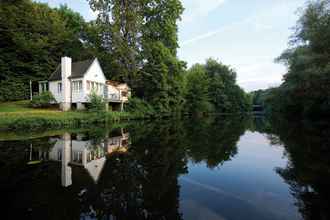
247 185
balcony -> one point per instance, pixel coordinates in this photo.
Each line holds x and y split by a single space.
116 97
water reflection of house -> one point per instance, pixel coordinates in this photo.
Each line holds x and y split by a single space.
74 150
117 144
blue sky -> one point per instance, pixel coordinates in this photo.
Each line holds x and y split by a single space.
245 34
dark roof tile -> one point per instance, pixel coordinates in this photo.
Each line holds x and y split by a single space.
78 70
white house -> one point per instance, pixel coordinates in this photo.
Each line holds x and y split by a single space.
72 83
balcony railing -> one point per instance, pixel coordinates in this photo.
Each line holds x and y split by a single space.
113 97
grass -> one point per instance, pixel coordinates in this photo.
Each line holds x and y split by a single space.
18 106
19 115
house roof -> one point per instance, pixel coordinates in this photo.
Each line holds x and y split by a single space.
118 85
113 83
78 70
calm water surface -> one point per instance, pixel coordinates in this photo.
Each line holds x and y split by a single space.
196 169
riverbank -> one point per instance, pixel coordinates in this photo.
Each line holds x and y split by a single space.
18 115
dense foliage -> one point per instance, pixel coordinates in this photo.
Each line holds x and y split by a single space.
96 103
305 92
142 36
197 87
135 41
33 39
212 87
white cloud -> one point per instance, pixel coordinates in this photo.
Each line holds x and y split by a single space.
249 86
203 36
256 22
212 33
195 9
260 75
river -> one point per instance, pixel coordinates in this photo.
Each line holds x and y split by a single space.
219 168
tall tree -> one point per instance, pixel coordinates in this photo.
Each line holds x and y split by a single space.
305 92
120 22
197 87
223 93
221 78
161 74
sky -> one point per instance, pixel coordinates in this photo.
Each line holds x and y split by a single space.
244 34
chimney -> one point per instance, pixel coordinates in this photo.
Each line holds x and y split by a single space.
66 68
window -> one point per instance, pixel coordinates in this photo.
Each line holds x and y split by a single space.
77 157
59 155
59 87
80 85
77 86
88 85
43 87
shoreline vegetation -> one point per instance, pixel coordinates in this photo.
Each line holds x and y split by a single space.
20 116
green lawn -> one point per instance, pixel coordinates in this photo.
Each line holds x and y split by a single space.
12 113
18 106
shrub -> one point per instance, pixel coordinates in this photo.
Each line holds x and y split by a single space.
11 90
140 107
43 100
31 123
96 104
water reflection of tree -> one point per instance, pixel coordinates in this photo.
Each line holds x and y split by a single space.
15 154
29 191
308 170
161 154
214 139
142 183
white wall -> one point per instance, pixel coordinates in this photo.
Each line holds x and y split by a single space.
53 89
94 74
78 96
113 92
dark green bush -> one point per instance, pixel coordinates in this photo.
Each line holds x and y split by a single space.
29 123
96 104
43 100
140 107
11 90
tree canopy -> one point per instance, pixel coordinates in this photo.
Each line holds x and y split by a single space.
33 39
136 42
212 87
305 92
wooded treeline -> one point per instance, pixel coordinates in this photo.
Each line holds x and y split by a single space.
212 87
136 42
305 91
